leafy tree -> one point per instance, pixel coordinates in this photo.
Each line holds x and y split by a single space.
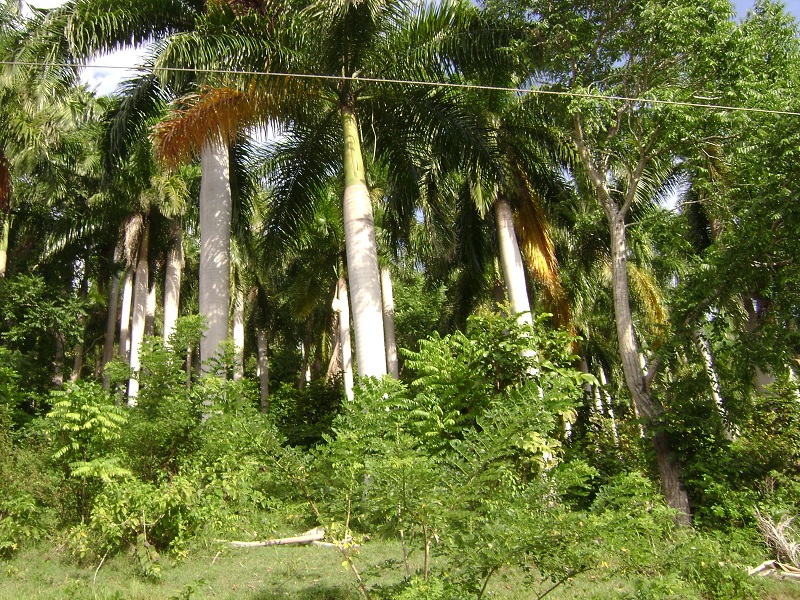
354 39
626 146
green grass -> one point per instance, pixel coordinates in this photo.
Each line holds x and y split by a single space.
304 572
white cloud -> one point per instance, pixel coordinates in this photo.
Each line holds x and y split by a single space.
104 73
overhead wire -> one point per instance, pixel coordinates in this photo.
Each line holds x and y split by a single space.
441 84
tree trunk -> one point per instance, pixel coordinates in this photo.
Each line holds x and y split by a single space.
58 362
215 241
362 256
511 259
238 336
609 404
125 315
305 346
111 326
262 368
139 309
77 364
344 338
754 308
388 323
172 279
150 314
4 235
704 349
668 468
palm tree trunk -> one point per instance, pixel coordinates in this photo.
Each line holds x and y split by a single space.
262 368
602 392
139 309
238 336
388 323
511 259
172 279
77 364
344 338
215 242
125 315
150 313
5 210
4 235
111 325
58 362
704 349
668 468
362 256
761 378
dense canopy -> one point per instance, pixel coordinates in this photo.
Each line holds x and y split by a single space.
513 285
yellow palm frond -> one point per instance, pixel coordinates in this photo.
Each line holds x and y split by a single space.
537 246
647 292
216 113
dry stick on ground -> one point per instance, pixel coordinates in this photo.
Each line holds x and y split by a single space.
341 546
780 538
94 579
312 535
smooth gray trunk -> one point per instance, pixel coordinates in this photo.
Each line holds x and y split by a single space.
125 315
388 323
215 242
172 279
362 256
140 292
58 362
704 349
262 367
609 405
77 363
344 338
111 326
150 314
238 336
511 260
668 468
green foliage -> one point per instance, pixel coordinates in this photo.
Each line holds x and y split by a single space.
494 360
638 537
86 422
303 416
28 489
11 394
35 317
464 454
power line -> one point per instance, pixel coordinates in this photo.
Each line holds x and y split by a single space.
442 84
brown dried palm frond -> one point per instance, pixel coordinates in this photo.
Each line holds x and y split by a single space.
536 242
780 538
217 113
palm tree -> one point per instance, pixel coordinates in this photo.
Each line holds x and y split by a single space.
81 29
342 41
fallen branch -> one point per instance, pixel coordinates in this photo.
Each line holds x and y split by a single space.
332 545
312 535
776 569
780 538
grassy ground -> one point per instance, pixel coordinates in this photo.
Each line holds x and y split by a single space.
310 573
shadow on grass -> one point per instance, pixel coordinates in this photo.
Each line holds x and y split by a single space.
315 592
